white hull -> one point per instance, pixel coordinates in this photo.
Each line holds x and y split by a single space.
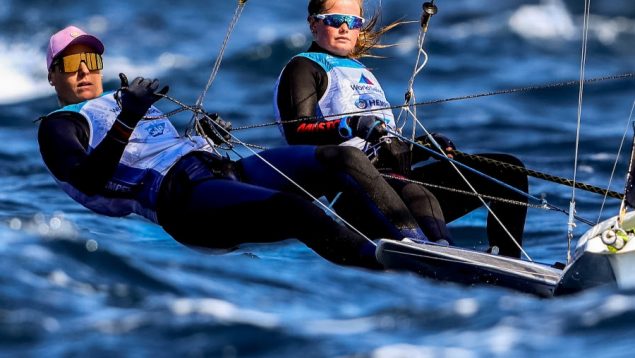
593 264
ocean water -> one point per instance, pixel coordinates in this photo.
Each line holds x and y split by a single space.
77 284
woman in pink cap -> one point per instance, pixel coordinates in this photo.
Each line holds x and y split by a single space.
77 86
114 162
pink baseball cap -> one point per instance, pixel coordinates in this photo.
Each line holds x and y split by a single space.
71 35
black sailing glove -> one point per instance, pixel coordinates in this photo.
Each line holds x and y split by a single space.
444 142
215 128
137 97
369 128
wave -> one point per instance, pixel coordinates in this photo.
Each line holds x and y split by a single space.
553 20
23 70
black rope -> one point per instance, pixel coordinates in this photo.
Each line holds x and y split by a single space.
541 175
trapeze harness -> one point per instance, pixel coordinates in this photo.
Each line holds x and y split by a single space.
351 88
154 147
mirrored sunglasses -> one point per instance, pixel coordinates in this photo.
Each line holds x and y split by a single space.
336 20
71 63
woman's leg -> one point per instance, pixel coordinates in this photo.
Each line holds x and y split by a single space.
220 213
425 207
326 170
455 205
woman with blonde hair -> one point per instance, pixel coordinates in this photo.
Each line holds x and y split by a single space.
319 86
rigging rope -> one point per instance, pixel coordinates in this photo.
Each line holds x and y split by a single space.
464 192
453 99
628 187
429 9
199 102
619 151
221 53
585 38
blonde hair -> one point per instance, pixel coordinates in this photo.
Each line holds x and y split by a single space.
369 34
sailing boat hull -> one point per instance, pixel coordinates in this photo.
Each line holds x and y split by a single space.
599 269
593 265
469 267
589 271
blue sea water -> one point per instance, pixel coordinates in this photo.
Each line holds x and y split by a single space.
76 284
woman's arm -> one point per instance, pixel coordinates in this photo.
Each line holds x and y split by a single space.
63 139
302 84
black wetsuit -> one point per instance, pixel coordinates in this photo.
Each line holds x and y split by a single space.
208 201
302 84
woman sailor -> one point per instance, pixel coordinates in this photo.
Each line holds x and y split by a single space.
318 85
